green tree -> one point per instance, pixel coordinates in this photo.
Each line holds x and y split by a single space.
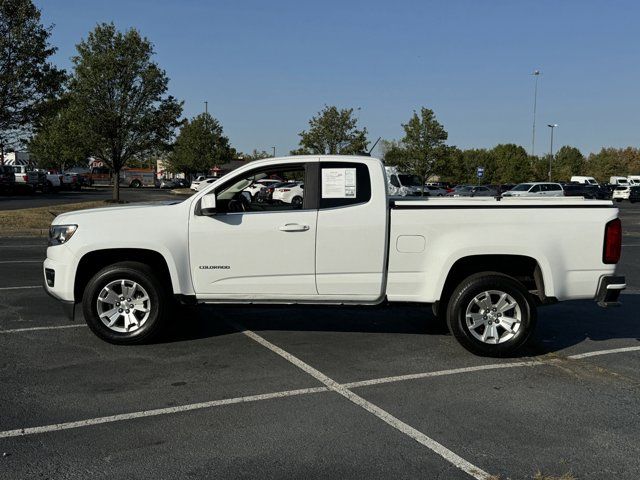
27 80
512 164
474 158
119 96
254 155
422 151
200 146
568 161
58 142
333 131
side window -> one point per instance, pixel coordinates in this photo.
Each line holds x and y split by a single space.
394 181
345 183
278 187
535 189
555 187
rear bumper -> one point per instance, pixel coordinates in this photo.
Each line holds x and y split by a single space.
609 290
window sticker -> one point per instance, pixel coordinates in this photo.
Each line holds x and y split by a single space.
338 183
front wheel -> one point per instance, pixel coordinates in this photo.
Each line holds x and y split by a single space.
491 314
125 303
135 184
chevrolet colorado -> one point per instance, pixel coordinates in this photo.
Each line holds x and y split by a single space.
483 264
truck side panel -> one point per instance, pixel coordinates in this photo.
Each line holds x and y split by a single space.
565 242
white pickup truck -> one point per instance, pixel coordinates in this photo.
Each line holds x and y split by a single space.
483 264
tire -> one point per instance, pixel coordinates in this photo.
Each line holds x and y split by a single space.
468 300
135 184
297 200
150 323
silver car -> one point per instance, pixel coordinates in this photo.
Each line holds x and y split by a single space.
536 189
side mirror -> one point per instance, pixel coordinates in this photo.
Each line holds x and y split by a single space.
208 204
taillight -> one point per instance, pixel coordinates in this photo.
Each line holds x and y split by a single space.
612 242
285 189
25 178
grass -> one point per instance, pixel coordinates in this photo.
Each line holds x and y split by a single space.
36 221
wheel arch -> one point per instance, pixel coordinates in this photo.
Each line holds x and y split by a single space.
523 268
94 261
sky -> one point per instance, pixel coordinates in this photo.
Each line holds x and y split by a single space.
266 67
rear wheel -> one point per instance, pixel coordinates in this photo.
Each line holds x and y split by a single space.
296 200
125 303
491 314
136 184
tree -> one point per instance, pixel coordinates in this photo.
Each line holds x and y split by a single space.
27 79
569 161
119 96
333 132
58 142
200 146
422 151
512 164
254 155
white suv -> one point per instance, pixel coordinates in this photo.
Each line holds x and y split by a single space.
621 192
289 193
536 189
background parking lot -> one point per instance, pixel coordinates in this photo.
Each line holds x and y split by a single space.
315 392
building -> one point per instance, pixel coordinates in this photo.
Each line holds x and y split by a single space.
16 158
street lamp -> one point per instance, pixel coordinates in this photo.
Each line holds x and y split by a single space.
536 73
552 126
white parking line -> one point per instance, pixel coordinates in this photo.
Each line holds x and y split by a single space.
21 288
453 371
383 415
21 261
603 352
159 411
34 329
23 246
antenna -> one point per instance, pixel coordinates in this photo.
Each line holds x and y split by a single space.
374 146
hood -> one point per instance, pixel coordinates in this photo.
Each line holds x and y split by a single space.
98 213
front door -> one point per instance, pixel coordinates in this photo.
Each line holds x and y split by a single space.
255 246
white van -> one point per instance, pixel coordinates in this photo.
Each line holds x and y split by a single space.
584 180
634 179
619 181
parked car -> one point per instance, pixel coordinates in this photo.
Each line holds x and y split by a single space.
26 178
256 186
7 179
585 190
266 193
71 181
168 183
474 191
487 268
435 191
292 193
617 180
181 182
621 193
536 189
51 181
634 194
402 184
584 180
203 183
196 183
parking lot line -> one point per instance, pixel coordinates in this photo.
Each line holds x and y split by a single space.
453 371
33 329
383 415
20 261
159 411
21 288
603 352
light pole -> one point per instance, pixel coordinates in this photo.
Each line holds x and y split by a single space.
552 126
536 74
274 152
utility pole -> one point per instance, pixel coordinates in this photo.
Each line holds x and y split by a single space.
206 107
552 126
536 74
274 152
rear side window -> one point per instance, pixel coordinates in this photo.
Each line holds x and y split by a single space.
536 188
343 184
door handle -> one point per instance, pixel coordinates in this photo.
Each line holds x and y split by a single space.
294 227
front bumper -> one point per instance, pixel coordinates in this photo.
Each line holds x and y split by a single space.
609 290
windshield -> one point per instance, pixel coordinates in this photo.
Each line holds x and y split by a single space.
523 187
409 180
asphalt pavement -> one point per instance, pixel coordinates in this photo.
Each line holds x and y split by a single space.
315 392
39 199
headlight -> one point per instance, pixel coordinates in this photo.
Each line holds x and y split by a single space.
59 234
